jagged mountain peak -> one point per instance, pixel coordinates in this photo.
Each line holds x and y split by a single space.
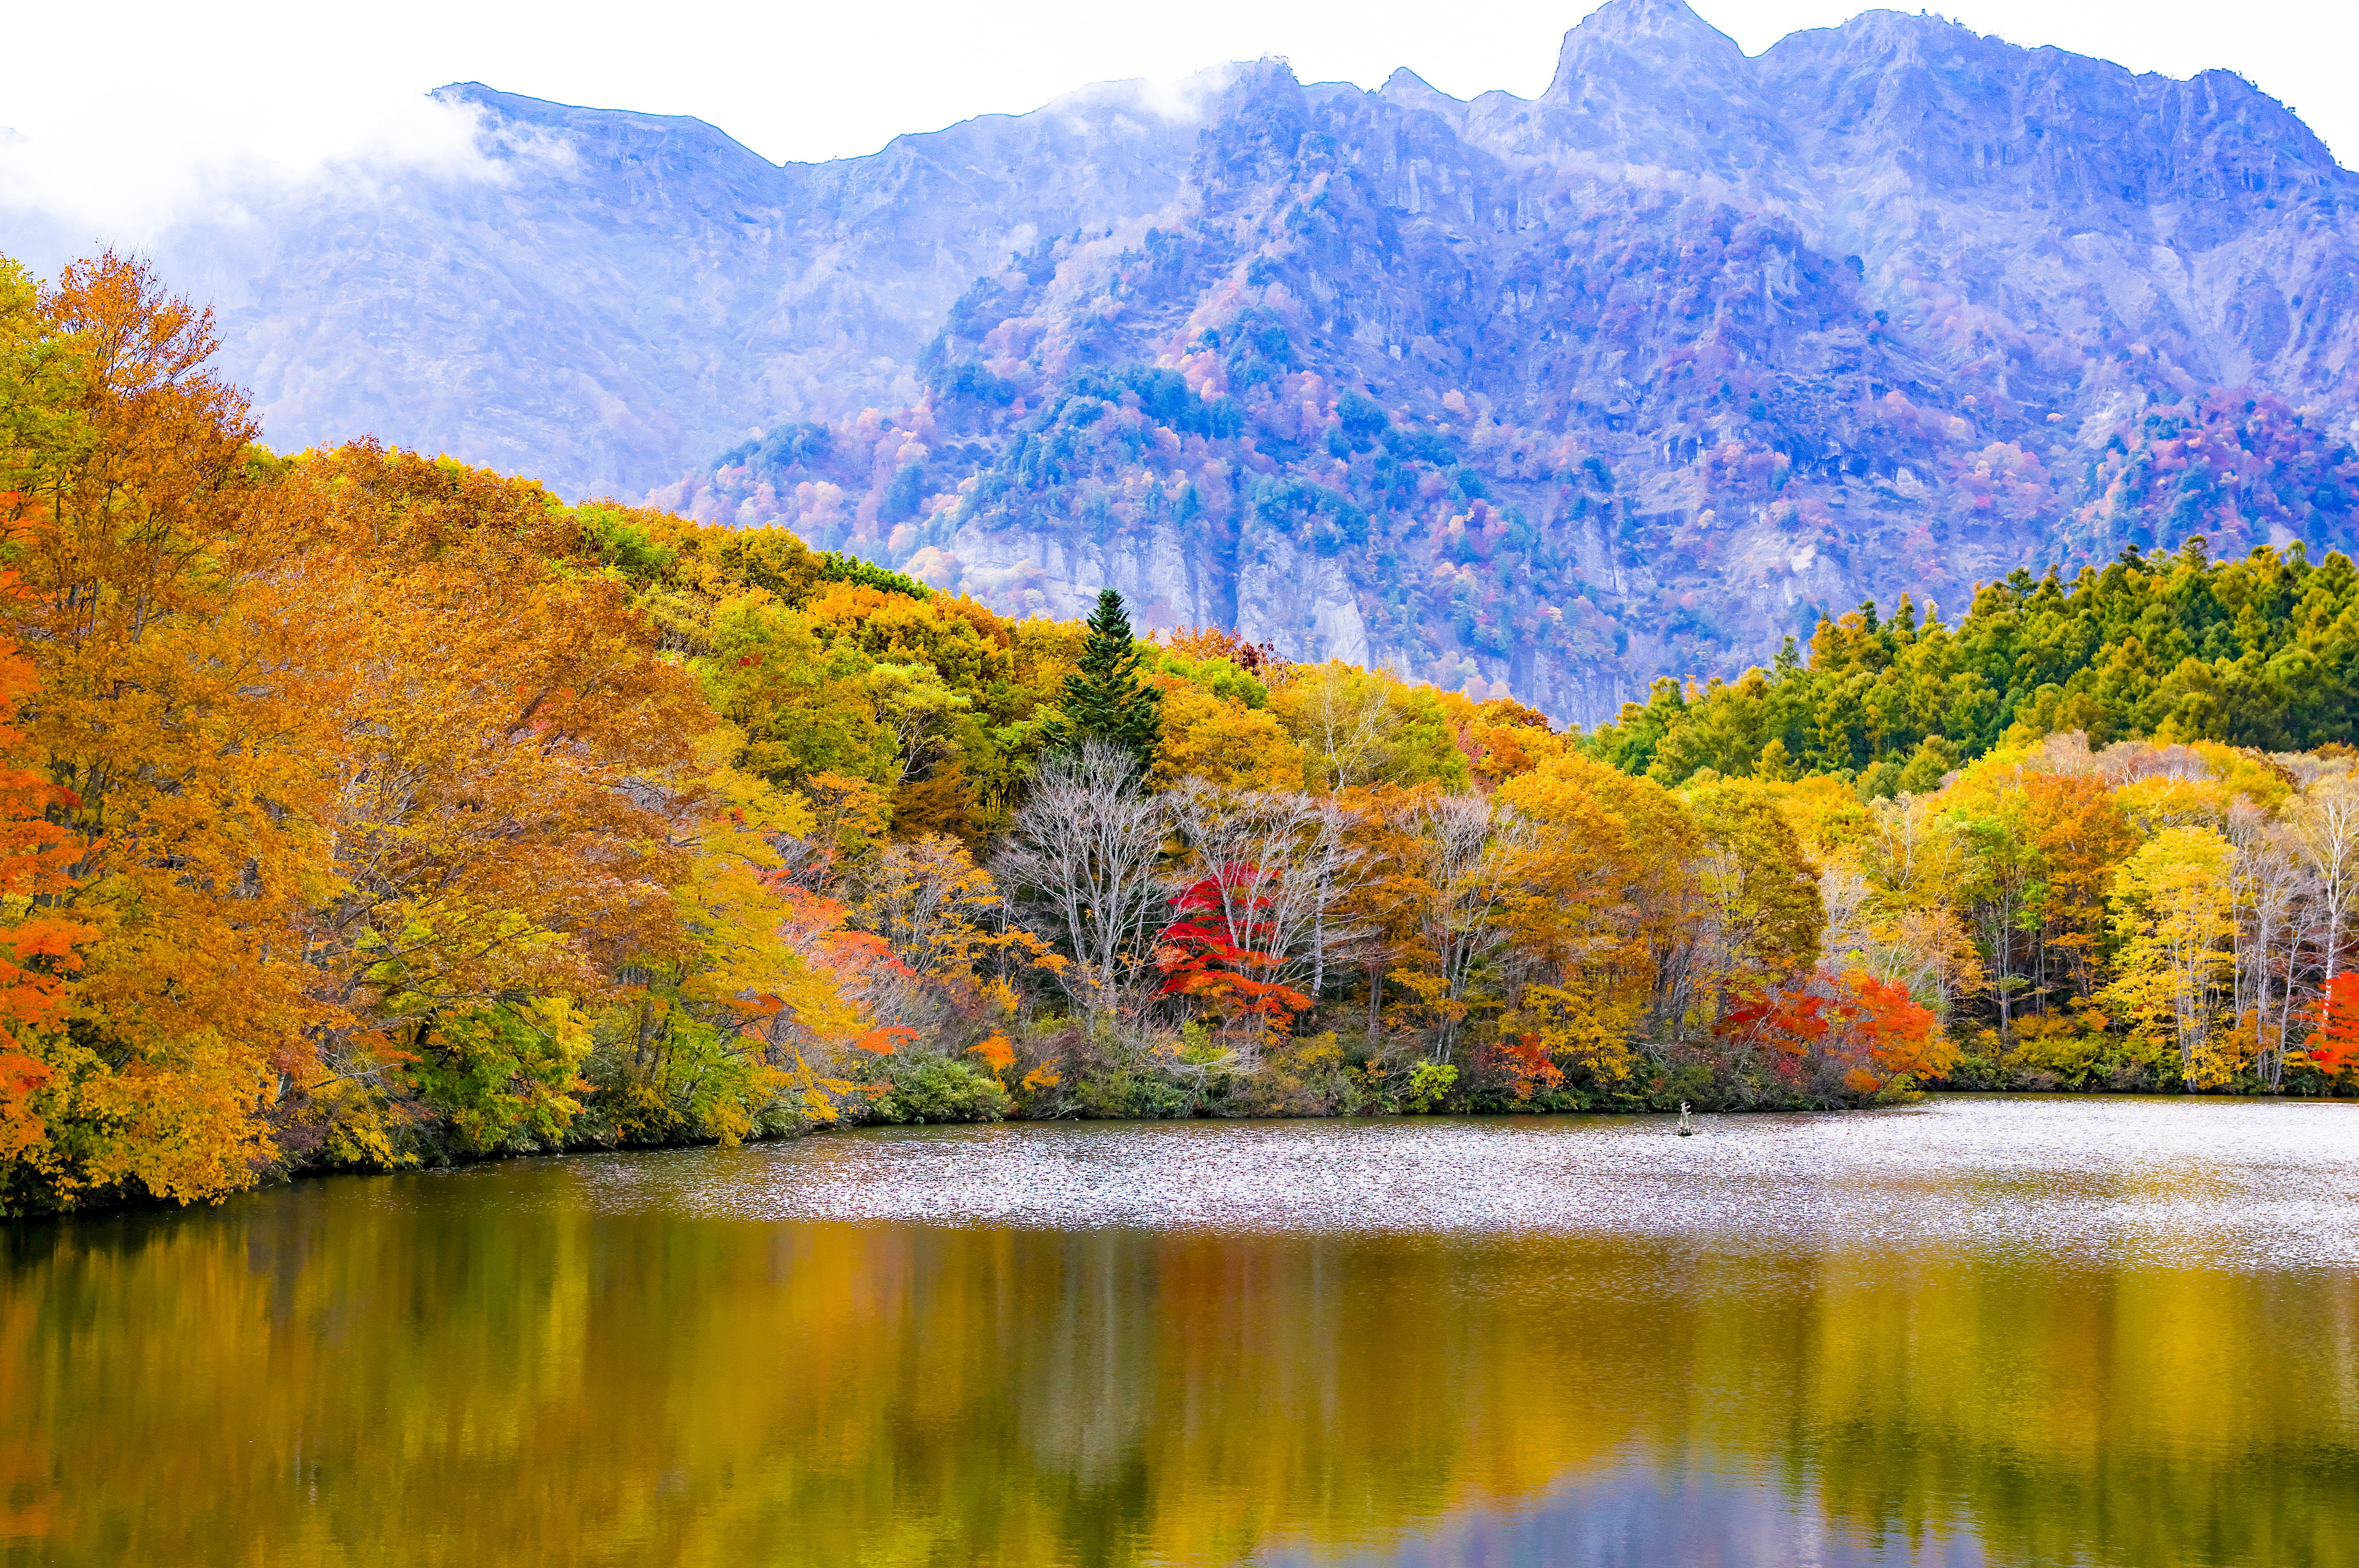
1642 45
1544 395
1411 91
1649 26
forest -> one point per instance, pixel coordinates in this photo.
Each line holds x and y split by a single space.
363 809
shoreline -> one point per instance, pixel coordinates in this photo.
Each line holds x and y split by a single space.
153 1206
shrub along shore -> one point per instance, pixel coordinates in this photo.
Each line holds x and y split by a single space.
363 809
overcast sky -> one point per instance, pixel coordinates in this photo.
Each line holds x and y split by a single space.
118 104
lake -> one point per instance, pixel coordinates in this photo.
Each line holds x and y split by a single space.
1979 1330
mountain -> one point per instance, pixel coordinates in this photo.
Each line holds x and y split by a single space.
605 299
1543 396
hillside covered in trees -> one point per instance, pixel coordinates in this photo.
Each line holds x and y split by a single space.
363 809
1537 397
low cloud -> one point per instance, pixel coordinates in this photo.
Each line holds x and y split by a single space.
62 197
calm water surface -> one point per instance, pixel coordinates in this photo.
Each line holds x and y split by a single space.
1982 1331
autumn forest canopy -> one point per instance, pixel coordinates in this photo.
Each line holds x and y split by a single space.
363 809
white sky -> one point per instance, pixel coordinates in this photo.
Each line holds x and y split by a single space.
123 104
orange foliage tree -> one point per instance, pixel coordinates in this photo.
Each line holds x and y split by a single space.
1847 1031
180 716
38 950
511 790
2333 1047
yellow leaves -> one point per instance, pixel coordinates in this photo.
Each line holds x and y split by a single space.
962 644
2162 801
184 1130
1432 992
847 814
1563 794
486 762
803 708
818 996
1360 728
1555 792
1574 1022
752 806
933 905
183 701
1761 891
2173 882
728 908
1825 816
2247 773
359 1129
2173 912
1915 854
1227 744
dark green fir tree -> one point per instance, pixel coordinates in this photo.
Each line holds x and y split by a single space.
1106 699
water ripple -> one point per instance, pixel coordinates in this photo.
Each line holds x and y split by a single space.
2244 1184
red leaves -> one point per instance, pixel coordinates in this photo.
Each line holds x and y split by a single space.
1527 1064
2334 1046
39 954
1208 953
1865 1029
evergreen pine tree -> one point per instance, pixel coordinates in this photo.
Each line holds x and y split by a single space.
1106 699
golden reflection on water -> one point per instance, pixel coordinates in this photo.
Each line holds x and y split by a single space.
593 1361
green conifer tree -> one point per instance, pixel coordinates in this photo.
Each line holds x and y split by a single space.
1106 699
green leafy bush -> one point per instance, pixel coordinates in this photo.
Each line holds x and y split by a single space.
930 1089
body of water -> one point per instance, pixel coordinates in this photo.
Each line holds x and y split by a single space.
1978 1331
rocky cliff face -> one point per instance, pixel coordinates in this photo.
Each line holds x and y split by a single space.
1636 377
1544 397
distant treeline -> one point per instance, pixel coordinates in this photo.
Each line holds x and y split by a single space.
362 809
2261 653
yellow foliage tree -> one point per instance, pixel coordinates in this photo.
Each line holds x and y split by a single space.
2170 902
1226 745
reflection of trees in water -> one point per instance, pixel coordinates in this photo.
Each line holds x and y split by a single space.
1083 1393
480 1369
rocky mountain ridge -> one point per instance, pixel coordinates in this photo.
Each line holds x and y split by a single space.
1542 396
1643 375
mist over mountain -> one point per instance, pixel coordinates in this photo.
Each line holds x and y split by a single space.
1546 395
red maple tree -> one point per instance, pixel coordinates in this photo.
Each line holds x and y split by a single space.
1217 949
2333 1046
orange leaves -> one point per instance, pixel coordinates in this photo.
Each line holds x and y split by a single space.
2334 1048
1198 643
1502 739
1851 1029
41 950
181 718
1527 1065
369 793
506 784
996 1052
